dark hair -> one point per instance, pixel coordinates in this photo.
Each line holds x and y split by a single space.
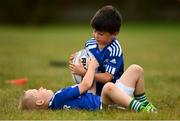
107 19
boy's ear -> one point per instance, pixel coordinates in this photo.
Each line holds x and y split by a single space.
39 102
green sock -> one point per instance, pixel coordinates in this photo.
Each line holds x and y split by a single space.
135 105
142 98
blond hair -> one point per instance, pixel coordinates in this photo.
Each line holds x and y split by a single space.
27 101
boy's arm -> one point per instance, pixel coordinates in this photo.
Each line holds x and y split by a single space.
100 77
103 77
89 76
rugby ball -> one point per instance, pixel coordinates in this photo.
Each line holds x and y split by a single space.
83 55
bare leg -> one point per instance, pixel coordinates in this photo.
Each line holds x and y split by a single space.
133 77
113 95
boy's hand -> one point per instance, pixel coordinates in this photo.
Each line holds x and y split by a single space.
71 58
77 69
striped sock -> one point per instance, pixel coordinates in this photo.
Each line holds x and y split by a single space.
135 105
142 98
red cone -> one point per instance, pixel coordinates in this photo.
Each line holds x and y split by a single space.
22 81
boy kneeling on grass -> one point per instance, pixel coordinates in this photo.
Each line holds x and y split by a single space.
77 97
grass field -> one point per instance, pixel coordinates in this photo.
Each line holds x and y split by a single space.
26 52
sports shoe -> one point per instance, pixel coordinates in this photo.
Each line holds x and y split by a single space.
150 108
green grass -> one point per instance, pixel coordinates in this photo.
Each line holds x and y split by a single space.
25 52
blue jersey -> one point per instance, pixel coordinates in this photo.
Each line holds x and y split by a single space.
110 59
70 98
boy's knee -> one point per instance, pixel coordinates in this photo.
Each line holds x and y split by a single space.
136 68
108 87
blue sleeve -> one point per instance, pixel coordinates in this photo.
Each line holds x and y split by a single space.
64 95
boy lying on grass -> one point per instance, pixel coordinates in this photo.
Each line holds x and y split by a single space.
77 97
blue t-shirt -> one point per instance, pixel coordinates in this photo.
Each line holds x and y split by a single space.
70 98
110 59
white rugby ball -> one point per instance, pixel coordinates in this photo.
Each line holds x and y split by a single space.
83 55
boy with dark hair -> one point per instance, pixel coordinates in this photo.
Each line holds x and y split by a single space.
107 19
105 47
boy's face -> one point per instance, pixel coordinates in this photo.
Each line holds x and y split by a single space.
103 38
41 93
